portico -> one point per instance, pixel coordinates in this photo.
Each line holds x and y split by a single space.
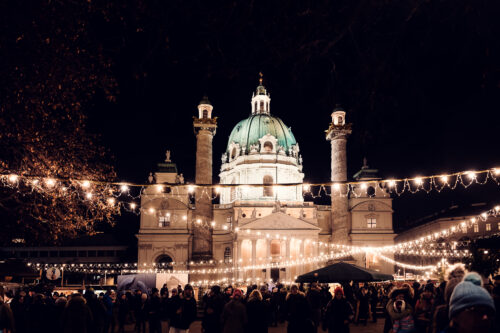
282 240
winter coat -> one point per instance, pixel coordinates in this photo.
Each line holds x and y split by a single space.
77 317
298 313
6 317
154 308
183 312
257 312
234 317
338 314
212 312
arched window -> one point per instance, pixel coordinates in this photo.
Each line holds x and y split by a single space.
233 153
268 188
233 191
255 107
164 262
227 254
268 147
339 121
205 114
262 105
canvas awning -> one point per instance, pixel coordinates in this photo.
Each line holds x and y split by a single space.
343 272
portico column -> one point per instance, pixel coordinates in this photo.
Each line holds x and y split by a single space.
254 256
268 259
302 270
239 274
288 258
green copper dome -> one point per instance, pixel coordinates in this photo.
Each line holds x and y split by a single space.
248 131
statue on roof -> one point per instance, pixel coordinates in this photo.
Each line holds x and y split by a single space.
167 157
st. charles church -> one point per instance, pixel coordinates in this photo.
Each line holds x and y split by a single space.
261 227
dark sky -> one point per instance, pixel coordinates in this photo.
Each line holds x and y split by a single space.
420 81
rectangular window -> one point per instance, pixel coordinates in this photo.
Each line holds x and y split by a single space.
488 226
164 221
476 228
371 223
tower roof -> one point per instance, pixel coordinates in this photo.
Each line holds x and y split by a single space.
205 100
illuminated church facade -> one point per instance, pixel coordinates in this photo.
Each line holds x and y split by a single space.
262 228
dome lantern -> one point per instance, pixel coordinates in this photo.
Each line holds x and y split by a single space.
261 100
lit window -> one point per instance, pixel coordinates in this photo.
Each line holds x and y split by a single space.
164 221
268 188
205 114
476 228
371 223
488 226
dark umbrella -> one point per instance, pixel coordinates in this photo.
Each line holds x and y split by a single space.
343 272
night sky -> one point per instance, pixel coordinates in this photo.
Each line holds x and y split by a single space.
420 81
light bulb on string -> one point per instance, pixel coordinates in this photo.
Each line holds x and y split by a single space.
13 178
50 182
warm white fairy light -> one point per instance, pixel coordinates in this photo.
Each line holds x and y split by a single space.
471 175
444 179
111 201
133 205
151 210
13 178
85 184
418 181
159 188
391 183
88 195
306 187
50 182
212 224
190 188
124 188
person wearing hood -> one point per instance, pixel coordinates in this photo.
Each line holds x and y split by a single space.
472 308
213 304
338 313
400 311
234 315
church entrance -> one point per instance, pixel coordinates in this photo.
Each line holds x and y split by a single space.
275 274
164 262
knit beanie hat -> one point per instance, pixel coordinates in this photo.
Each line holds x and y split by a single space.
339 290
469 293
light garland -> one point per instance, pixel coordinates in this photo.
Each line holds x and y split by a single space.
110 191
439 264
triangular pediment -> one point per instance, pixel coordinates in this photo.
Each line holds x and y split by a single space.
279 221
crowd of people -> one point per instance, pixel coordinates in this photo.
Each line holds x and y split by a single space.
460 304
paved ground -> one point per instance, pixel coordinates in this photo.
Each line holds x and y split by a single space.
369 328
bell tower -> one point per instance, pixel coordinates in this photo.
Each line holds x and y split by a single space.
204 129
337 134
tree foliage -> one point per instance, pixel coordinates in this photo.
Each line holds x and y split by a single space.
51 69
